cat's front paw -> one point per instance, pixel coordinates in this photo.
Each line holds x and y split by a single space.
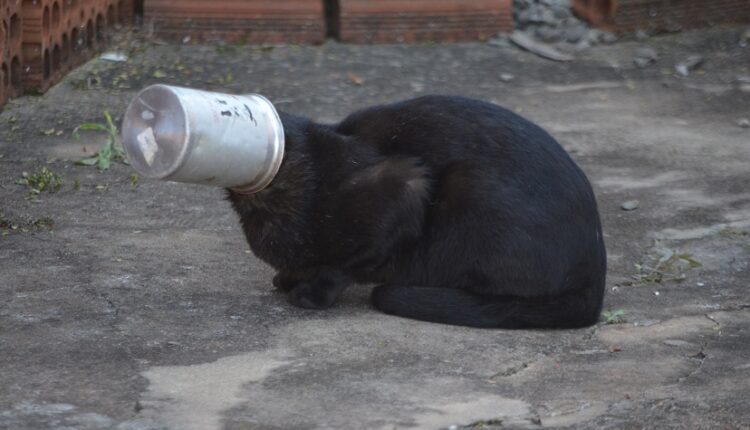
305 296
284 283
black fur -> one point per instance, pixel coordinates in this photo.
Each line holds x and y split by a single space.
464 213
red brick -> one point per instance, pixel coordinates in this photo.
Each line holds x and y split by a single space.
657 15
11 36
61 34
387 21
257 21
42 52
599 13
661 15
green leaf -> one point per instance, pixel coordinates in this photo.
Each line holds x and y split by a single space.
160 74
88 126
110 151
613 317
692 262
110 124
105 157
91 126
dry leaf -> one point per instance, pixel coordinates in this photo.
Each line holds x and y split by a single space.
356 80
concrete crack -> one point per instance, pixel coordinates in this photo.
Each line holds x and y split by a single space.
510 371
700 357
713 320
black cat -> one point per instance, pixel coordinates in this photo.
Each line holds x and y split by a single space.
462 211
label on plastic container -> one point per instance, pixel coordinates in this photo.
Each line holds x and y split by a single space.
147 144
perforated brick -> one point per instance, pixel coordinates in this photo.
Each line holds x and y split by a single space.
11 28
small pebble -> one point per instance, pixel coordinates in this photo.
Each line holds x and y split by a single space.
700 284
743 122
745 38
656 293
647 52
506 77
641 35
642 62
608 38
630 205
583 45
690 63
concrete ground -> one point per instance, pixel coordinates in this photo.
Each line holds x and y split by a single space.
136 305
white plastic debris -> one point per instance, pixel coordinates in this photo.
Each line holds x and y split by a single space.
114 56
690 63
541 49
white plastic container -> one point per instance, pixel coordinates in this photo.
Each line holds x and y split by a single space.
186 135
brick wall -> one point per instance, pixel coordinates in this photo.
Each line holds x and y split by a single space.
42 40
11 31
254 21
661 15
308 21
377 21
678 14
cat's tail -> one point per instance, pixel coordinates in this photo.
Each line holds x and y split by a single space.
458 307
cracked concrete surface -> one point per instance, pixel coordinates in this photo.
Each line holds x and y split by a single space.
142 309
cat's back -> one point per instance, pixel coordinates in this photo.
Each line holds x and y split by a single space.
489 139
450 127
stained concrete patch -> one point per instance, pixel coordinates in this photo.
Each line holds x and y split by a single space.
470 411
572 414
262 386
60 416
334 371
699 232
633 182
627 334
193 397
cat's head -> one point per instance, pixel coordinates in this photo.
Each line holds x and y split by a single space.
295 176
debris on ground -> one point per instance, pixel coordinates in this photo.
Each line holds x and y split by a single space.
12 224
645 56
743 122
506 77
355 79
641 35
745 38
691 63
541 49
630 205
41 181
117 57
670 265
553 21
616 316
111 151
500 41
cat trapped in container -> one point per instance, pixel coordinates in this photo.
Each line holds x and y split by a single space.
461 212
